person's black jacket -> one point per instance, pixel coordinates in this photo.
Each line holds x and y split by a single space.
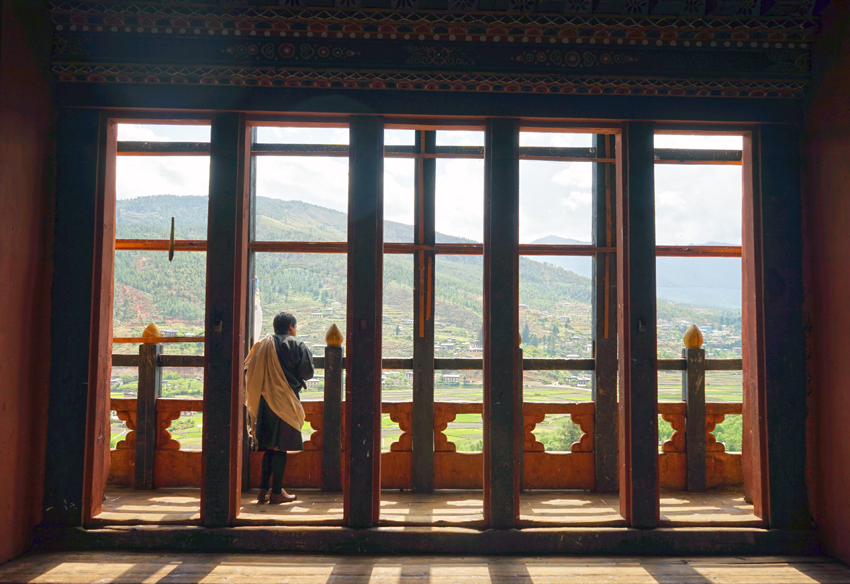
296 360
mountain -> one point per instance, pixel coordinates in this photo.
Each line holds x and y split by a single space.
697 281
148 287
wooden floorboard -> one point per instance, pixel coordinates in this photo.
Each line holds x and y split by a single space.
443 508
131 568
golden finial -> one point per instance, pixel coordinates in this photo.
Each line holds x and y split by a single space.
693 337
151 331
520 340
333 338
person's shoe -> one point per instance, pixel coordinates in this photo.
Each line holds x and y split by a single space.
276 498
261 496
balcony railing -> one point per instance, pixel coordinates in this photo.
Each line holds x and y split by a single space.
149 457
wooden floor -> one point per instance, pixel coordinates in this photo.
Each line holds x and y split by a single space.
458 508
131 568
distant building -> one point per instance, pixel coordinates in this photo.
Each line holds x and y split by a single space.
168 332
451 378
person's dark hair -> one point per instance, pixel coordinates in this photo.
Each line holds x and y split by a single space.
282 322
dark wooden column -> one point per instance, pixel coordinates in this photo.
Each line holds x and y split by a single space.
224 347
96 471
249 299
362 482
605 318
693 393
150 388
332 412
638 407
423 317
774 347
502 416
76 202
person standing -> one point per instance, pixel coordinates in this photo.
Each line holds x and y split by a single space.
277 369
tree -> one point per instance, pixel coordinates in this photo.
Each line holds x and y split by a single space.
562 437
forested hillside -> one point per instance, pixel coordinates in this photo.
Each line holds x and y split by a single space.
555 310
149 288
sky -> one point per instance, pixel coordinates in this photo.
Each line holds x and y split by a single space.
695 204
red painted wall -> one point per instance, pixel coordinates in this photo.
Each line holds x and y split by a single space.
826 209
26 120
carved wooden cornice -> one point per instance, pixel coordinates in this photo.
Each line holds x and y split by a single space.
179 43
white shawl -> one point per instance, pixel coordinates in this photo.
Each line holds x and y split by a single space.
264 377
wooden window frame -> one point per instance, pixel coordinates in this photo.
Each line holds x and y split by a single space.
764 145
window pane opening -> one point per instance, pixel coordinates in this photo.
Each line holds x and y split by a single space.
164 132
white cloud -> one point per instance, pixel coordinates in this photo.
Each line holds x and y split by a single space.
398 190
698 204
555 199
459 199
163 133
140 176
460 138
316 180
556 139
291 135
572 174
698 141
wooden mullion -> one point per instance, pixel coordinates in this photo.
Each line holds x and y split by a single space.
299 246
439 248
180 360
754 454
251 266
97 456
362 486
224 350
502 416
604 320
125 360
558 364
160 245
708 251
636 327
423 316
777 408
163 148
